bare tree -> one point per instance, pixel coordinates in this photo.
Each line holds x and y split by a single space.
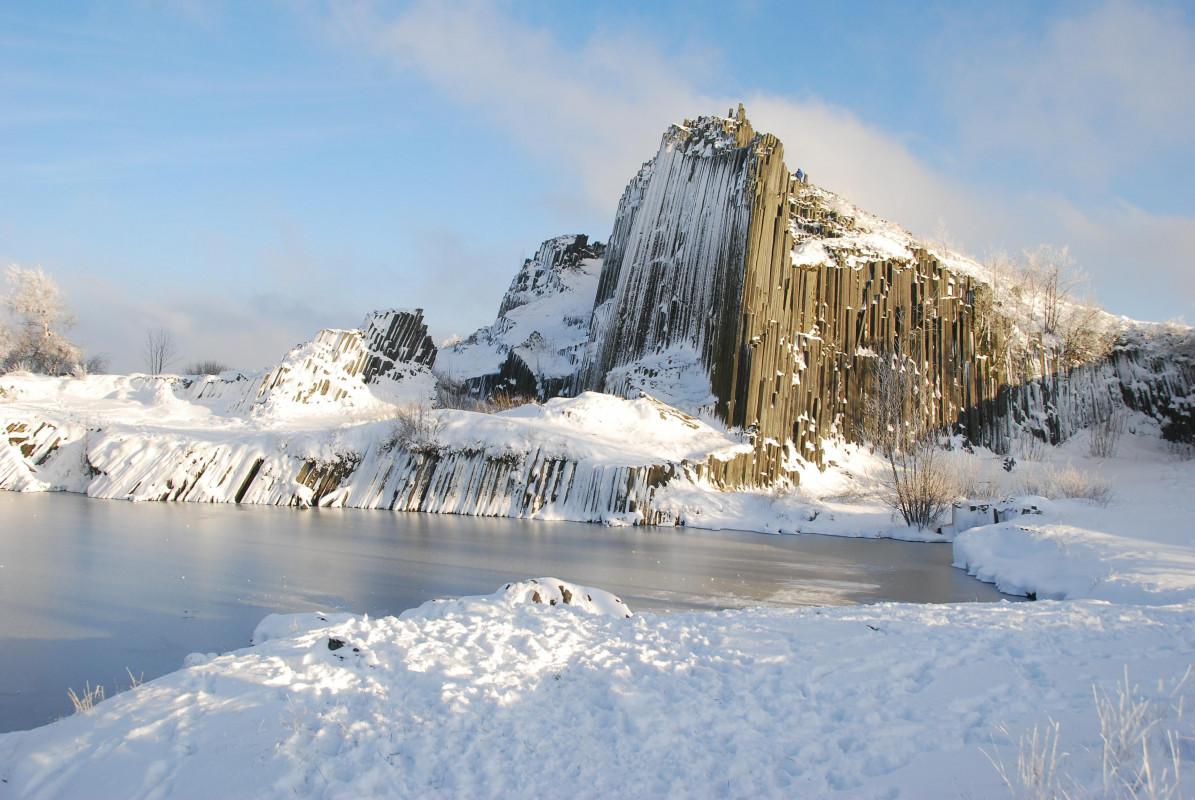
1052 276
39 317
160 351
895 421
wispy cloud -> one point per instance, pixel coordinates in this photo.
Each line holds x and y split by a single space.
1092 94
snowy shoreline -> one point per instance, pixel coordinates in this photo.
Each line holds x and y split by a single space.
488 696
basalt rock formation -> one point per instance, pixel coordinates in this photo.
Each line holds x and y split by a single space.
734 287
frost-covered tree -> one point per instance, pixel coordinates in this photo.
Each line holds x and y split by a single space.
38 319
1044 284
6 342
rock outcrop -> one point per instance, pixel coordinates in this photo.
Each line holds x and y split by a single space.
730 289
337 365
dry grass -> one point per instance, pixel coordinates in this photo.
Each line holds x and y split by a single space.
85 702
1140 752
1069 482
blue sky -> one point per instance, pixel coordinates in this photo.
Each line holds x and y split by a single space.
245 173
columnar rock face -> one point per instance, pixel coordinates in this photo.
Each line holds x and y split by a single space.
395 337
547 272
722 256
673 275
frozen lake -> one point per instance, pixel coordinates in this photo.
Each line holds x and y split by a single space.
90 588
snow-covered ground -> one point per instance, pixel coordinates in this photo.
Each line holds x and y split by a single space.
502 696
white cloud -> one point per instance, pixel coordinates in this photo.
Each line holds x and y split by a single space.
1146 262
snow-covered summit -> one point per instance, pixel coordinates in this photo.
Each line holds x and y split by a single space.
543 319
357 368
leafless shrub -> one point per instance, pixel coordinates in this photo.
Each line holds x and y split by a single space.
1051 277
504 401
456 394
209 367
968 478
160 351
416 429
1105 433
86 701
918 484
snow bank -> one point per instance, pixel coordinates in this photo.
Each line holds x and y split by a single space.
1137 547
1063 562
497 696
